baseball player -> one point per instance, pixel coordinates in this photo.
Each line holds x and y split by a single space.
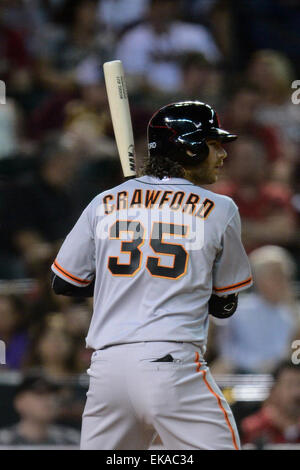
159 253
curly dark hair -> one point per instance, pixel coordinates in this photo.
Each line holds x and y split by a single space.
161 167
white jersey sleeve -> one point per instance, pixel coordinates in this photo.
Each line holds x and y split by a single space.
75 262
231 272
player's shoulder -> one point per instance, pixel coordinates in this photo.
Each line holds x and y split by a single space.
217 196
225 209
220 200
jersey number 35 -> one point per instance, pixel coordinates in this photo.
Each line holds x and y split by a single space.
158 245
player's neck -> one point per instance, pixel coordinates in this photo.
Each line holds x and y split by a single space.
196 179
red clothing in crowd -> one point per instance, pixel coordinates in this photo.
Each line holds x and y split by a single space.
13 52
269 199
266 135
260 428
258 205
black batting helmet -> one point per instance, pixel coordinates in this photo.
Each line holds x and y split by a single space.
179 130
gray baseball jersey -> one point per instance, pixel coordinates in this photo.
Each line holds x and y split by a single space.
158 249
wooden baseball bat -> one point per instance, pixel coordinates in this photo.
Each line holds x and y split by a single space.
120 114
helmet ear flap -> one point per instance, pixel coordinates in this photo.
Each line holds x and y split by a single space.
196 155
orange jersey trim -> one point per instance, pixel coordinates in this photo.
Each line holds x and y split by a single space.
69 275
203 373
233 286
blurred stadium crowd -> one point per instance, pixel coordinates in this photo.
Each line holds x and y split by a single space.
57 151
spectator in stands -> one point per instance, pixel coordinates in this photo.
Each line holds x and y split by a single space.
278 421
23 16
197 8
13 330
121 14
151 50
42 302
273 74
200 80
77 319
219 14
265 206
51 351
240 115
263 24
87 122
45 205
82 115
61 54
15 63
37 403
261 332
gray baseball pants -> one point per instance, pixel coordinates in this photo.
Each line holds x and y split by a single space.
131 399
